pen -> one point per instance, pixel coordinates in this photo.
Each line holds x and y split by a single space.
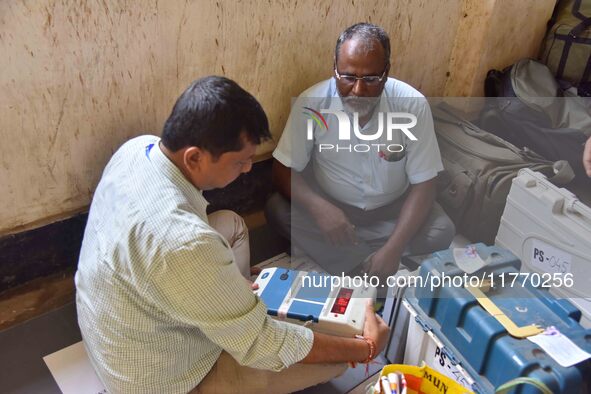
394 383
386 385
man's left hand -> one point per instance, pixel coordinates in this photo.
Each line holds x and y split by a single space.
254 271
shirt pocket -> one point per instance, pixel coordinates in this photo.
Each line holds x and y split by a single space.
390 176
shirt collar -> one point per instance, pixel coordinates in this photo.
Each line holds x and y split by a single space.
172 172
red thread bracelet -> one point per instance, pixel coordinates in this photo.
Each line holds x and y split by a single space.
372 348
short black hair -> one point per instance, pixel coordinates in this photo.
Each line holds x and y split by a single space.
211 114
367 33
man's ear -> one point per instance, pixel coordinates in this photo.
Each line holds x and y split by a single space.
193 157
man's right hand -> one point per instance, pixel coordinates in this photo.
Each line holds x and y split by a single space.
375 328
333 223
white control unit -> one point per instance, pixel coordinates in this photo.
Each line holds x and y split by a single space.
308 298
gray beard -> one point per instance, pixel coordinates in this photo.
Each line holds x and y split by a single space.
364 106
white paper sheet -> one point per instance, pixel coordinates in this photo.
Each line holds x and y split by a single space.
73 372
564 351
468 259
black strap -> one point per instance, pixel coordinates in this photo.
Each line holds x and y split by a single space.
568 37
563 58
568 42
585 20
573 36
581 27
587 73
576 11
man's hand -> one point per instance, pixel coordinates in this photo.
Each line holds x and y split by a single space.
587 157
375 328
334 224
253 286
384 263
254 271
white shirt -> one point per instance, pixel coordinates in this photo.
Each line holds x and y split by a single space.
361 179
158 293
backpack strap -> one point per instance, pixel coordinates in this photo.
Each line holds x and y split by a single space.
587 73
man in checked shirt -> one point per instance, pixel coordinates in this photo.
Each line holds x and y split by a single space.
162 300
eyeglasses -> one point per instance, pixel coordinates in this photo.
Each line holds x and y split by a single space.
369 80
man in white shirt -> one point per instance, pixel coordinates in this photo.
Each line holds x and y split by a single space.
362 185
163 304
587 157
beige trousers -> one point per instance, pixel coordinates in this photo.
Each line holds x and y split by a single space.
227 376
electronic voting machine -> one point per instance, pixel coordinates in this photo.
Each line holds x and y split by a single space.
308 298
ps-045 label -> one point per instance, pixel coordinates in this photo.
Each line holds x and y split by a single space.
548 258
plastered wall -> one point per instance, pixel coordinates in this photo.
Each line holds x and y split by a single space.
78 78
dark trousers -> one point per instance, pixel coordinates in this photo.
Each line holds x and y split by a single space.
372 228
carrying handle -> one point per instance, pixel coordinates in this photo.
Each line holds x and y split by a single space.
506 387
563 173
582 211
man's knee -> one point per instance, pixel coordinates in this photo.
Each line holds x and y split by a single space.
437 233
333 371
229 224
238 223
278 213
445 232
